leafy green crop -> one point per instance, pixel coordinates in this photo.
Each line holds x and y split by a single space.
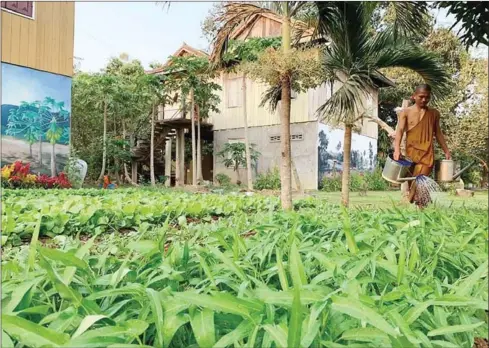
255 277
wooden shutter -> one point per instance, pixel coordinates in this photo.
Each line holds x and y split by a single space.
234 93
25 8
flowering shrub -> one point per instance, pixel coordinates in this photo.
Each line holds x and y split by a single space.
17 175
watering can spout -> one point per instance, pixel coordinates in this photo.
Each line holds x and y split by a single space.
455 176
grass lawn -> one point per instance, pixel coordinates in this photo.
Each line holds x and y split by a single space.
384 199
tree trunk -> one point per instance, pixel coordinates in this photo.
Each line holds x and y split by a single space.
285 168
296 177
53 160
152 149
126 171
345 178
194 159
30 150
249 174
200 177
238 176
104 153
285 172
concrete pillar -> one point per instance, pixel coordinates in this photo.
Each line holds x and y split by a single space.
168 161
134 169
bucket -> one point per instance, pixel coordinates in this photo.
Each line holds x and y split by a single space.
395 171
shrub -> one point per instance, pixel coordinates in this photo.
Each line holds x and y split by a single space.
375 181
371 181
330 184
270 180
223 179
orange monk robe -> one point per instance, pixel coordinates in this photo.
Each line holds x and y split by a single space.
420 148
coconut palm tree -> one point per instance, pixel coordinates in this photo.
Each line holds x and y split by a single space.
355 55
237 14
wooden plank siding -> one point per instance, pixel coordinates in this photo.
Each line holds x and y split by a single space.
45 42
304 105
303 108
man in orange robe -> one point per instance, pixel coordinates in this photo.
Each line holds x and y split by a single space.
422 125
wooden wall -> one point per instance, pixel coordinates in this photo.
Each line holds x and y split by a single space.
230 116
43 43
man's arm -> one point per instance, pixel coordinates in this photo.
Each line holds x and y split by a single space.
440 137
401 124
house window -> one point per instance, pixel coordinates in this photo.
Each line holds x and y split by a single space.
24 8
234 93
293 137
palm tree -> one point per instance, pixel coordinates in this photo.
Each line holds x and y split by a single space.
237 14
355 56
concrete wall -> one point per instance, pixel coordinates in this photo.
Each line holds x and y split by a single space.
304 152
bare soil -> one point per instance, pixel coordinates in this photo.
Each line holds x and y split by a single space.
14 149
481 343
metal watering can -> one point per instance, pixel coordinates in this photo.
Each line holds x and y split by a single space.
396 171
446 168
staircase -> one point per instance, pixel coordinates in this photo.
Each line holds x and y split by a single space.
141 150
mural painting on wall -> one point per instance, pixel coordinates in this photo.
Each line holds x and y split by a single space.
36 109
330 152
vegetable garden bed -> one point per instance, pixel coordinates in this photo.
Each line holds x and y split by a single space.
315 277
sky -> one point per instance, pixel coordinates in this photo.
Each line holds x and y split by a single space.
30 85
147 31
144 30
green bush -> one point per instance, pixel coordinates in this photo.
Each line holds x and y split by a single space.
270 180
375 181
223 179
371 181
332 184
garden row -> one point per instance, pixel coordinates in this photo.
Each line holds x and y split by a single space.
91 211
257 277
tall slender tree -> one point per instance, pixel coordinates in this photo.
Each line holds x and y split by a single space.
285 76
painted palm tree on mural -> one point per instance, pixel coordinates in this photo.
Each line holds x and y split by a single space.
355 55
23 121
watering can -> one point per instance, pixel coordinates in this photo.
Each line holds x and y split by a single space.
396 171
446 168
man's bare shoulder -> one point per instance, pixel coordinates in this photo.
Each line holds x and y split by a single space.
406 112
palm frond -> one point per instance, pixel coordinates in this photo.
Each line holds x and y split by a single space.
271 97
426 64
232 16
347 101
410 18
